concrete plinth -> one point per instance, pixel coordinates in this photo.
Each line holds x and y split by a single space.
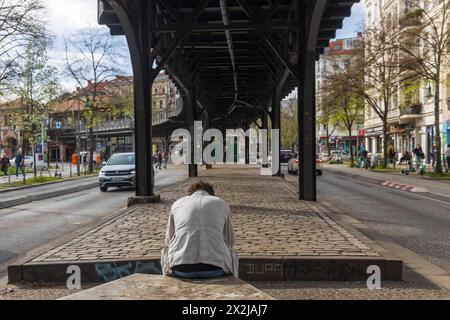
152 287
143 200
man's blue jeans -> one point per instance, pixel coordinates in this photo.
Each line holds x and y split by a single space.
18 167
199 274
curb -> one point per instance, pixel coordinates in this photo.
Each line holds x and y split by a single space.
381 182
44 184
47 195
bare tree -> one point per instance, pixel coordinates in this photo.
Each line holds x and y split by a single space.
375 72
347 104
18 22
424 50
91 59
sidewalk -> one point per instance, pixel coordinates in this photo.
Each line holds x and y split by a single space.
64 168
440 187
15 197
279 239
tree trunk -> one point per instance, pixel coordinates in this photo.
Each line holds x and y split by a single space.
34 161
385 143
328 142
24 151
352 158
437 128
91 149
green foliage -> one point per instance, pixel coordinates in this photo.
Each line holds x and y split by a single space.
36 85
289 124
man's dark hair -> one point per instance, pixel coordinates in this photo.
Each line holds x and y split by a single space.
201 185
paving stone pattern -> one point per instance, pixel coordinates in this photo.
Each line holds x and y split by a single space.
268 219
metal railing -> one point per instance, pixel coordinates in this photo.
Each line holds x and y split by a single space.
164 115
113 125
411 110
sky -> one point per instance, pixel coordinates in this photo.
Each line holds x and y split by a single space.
66 18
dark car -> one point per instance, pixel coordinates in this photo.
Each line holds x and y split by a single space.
286 155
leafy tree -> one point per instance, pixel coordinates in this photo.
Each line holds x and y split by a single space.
289 124
36 85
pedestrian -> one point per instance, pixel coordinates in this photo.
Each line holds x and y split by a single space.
4 164
160 160
406 157
419 155
392 156
365 154
199 237
433 156
166 159
19 163
447 156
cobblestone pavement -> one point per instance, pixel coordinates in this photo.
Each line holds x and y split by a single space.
324 290
268 219
284 226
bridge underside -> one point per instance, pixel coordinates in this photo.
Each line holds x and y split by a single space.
232 60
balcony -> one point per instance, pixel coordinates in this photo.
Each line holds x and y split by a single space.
411 21
410 113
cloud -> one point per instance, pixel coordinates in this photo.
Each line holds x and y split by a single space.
68 16
65 20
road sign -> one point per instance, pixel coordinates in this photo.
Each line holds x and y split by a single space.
362 133
58 124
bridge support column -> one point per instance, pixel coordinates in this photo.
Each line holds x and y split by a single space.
309 18
276 125
137 21
206 126
192 116
247 146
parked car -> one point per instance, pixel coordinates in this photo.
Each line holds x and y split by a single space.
286 155
293 166
28 161
340 155
119 171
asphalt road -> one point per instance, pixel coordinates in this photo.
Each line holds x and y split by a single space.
28 226
415 221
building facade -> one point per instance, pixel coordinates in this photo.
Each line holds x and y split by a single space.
67 127
411 115
336 54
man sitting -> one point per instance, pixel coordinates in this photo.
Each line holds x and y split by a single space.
200 236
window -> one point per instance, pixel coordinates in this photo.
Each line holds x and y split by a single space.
160 104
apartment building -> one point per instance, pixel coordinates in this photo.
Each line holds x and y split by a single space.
411 114
336 54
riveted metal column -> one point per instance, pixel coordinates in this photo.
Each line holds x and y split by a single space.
276 125
247 146
192 116
137 19
309 17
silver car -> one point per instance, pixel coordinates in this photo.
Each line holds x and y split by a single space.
119 171
293 165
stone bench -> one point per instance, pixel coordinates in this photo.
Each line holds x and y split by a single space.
155 287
